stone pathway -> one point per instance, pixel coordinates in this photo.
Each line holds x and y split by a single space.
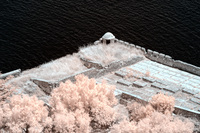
146 78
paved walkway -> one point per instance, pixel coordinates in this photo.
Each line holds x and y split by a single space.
146 78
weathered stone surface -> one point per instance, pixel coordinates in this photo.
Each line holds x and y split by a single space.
195 100
136 75
30 87
124 82
45 85
129 96
91 73
197 96
190 91
148 79
120 73
138 47
158 85
149 51
186 67
132 45
186 112
117 92
143 49
179 101
13 73
189 105
171 89
139 84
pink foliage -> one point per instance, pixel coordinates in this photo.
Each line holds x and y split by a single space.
138 112
5 90
24 113
78 107
155 117
156 123
162 103
95 101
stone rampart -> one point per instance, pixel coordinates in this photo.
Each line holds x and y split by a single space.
165 59
12 73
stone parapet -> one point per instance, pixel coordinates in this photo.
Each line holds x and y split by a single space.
12 73
165 59
93 72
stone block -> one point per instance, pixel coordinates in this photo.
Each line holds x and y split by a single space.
121 73
148 79
45 85
149 51
139 84
168 57
124 82
162 82
138 47
144 50
120 41
13 73
195 100
155 53
158 85
126 43
132 45
97 42
136 75
162 55
171 89
190 91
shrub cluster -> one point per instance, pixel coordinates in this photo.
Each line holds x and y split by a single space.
84 105
155 117
74 108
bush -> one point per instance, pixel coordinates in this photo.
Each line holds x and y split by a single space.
156 117
5 90
24 113
162 103
156 123
93 100
78 107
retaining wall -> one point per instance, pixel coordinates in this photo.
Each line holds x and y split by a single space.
127 97
13 73
165 59
93 72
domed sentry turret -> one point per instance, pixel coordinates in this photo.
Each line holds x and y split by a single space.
108 38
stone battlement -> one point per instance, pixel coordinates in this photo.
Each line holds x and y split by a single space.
162 58
165 59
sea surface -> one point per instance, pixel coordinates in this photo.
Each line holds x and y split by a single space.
34 32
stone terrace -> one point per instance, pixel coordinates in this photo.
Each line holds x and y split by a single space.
146 78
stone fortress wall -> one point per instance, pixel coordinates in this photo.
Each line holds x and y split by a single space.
97 70
150 54
163 59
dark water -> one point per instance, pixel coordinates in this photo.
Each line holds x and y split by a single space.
34 32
